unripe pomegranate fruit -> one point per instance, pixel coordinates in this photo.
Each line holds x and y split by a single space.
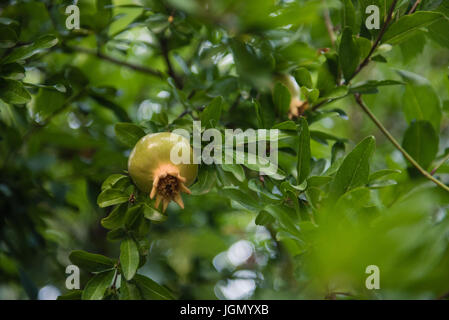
152 170
297 106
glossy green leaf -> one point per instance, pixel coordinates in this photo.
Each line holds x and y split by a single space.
96 287
212 113
349 54
129 258
421 142
129 291
128 133
404 27
110 197
13 92
264 218
281 98
151 290
303 153
236 170
27 51
354 171
420 101
90 261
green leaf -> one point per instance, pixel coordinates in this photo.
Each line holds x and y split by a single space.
348 14
281 98
151 290
13 92
421 142
349 54
264 218
371 86
117 234
243 198
438 32
420 101
27 51
236 170
112 180
12 71
132 217
382 174
303 153
8 37
284 220
97 286
303 77
129 291
71 295
116 218
211 115
354 171
153 214
90 261
128 133
110 197
129 258
405 26
205 182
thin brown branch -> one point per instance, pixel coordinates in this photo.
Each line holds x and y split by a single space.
329 25
171 72
367 59
415 5
439 164
406 155
143 69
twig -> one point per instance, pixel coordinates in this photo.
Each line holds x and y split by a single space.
171 72
427 175
415 5
105 57
439 164
376 43
329 25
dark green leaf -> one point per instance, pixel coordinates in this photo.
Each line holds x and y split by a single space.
129 258
354 171
97 286
211 115
128 133
303 153
110 197
421 142
349 54
151 290
281 98
90 261
13 92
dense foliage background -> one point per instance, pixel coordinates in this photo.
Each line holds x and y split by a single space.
74 102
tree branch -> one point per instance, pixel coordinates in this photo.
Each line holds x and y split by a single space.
439 164
149 71
427 175
415 5
171 72
329 25
376 43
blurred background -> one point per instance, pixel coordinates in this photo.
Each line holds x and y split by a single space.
53 163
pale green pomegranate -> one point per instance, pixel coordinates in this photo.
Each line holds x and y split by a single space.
152 170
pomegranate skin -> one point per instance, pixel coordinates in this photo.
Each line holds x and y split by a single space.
152 152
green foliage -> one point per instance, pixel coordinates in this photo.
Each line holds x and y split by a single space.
73 103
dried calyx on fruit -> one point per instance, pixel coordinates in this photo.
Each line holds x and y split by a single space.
152 170
297 106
